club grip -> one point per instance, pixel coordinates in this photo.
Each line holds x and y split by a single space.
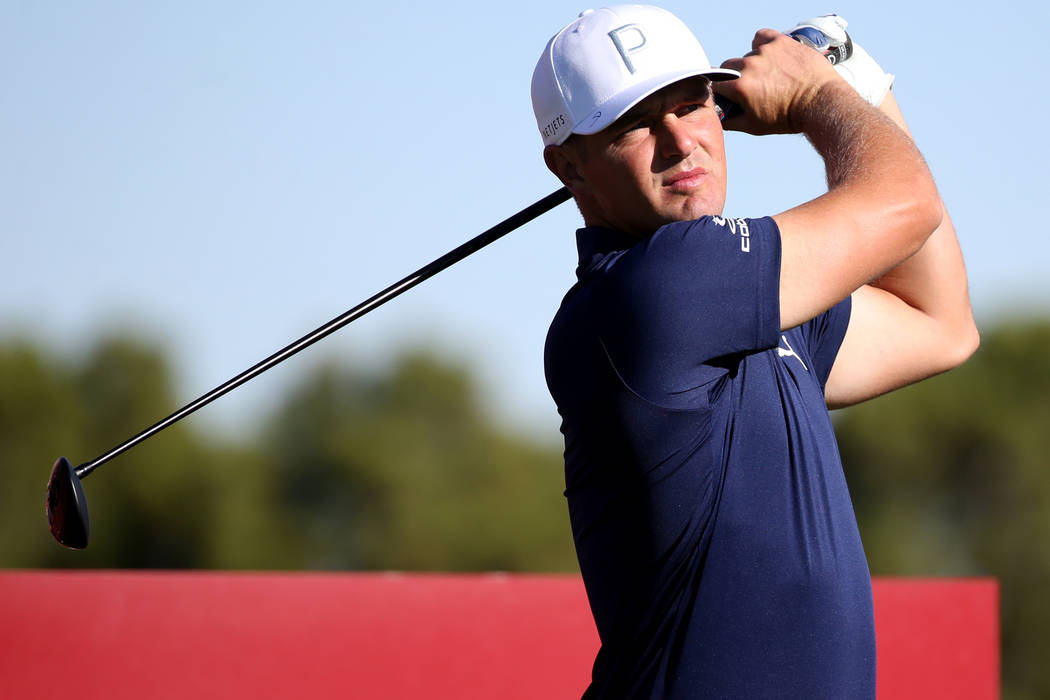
725 106
809 36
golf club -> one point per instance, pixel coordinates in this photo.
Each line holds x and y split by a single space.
66 507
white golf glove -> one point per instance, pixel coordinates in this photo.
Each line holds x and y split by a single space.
859 70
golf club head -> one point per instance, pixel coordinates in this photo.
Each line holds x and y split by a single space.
67 511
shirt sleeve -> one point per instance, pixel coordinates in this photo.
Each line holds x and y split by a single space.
692 292
824 335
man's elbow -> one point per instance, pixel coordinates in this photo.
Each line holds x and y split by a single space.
932 213
969 342
927 211
962 342
913 213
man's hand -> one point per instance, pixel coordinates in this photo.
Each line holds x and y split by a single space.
858 68
779 85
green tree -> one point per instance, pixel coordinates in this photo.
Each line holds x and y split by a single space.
38 410
353 471
952 477
155 507
405 471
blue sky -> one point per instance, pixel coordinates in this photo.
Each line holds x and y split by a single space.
224 177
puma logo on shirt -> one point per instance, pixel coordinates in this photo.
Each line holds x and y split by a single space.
789 352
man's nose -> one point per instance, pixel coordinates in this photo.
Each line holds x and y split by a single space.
676 139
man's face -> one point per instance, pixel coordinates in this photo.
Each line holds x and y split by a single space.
663 161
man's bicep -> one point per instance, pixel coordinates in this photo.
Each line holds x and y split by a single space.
888 344
830 248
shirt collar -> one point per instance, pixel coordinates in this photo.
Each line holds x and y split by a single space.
593 241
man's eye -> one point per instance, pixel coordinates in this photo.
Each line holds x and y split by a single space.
634 127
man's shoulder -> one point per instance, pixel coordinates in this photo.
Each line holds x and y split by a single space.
694 230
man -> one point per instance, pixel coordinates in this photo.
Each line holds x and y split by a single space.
694 360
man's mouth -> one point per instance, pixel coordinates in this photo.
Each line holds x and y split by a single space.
686 180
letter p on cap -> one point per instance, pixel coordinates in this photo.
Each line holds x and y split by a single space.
628 39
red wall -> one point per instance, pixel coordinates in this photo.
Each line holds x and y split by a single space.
226 635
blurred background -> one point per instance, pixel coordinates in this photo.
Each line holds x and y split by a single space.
186 187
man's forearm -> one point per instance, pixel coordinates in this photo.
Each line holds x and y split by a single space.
934 279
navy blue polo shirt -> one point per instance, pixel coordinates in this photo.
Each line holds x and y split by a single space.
712 521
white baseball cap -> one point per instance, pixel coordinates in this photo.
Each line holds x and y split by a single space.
607 61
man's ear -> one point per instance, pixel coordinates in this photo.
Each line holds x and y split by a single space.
562 162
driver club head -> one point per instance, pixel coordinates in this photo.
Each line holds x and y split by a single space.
67 510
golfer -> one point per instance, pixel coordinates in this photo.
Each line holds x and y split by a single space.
694 361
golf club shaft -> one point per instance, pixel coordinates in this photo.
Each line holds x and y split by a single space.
448 259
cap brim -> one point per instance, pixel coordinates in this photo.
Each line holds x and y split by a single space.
613 109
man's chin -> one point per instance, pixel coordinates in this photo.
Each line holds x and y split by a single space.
692 211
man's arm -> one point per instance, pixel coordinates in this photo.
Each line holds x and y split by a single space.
881 203
913 322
